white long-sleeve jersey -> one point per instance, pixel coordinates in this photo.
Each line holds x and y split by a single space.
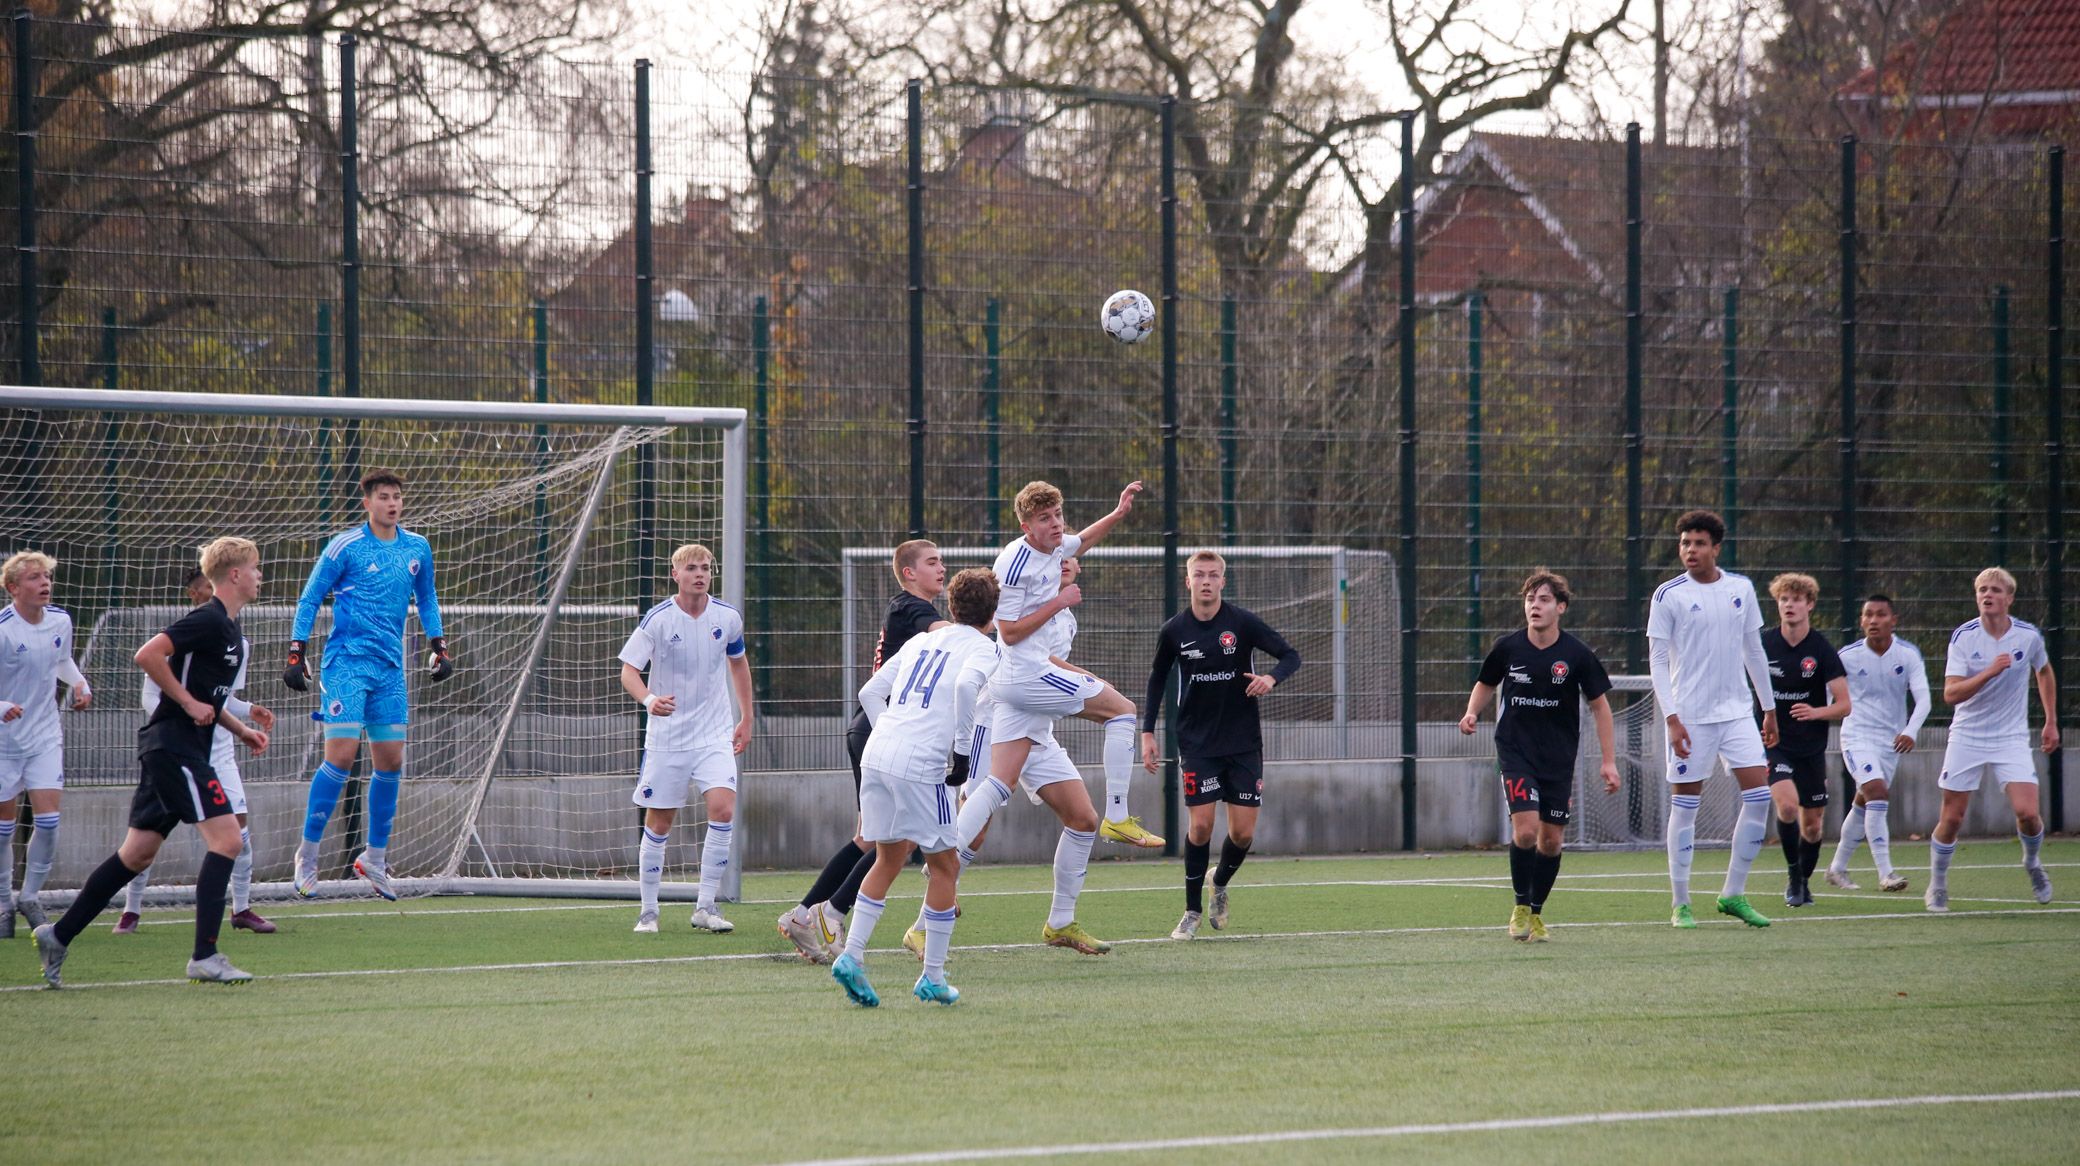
1701 637
923 701
1880 689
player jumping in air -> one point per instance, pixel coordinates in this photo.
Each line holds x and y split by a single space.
688 643
1986 681
35 654
1031 693
1884 672
1803 668
1543 674
922 703
815 932
1220 737
194 662
373 573
223 761
1703 633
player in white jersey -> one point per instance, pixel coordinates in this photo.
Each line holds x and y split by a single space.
922 704
1032 692
1704 631
688 643
223 759
1885 672
1985 680
1046 763
35 654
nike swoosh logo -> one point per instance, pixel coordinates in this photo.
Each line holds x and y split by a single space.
1187 643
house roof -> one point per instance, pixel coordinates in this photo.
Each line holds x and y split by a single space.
1997 52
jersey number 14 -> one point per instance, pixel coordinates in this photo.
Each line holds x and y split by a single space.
924 676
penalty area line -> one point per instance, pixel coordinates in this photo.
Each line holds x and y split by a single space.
1494 1125
790 958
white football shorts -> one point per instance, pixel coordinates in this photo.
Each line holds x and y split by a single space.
1966 762
41 770
892 809
1869 761
668 772
1030 706
1737 742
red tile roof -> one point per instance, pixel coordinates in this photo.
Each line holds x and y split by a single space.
2017 48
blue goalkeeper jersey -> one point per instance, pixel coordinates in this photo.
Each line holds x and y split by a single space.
372 584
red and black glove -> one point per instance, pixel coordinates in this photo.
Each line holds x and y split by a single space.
298 674
438 664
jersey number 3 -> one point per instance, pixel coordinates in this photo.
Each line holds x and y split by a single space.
924 676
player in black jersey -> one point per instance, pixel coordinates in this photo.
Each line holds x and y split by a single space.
1544 674
195 663
815 925
1220 740
1811 689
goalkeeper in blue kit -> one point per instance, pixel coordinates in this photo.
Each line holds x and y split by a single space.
374 573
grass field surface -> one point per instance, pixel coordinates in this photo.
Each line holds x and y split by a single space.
1356 1009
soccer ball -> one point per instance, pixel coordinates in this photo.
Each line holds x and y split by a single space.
1128 316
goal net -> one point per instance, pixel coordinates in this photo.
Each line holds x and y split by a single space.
552 529
1636 817
1337 606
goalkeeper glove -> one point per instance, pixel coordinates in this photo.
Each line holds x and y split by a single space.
298 674
438 665
957 773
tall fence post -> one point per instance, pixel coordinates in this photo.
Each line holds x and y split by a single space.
762 480
28 280
1635 439
646 348
1730 421
1231 519
2055 452
349 252
2003 403
1846 520
913 115
1406 337
992 384
1473 475
1172 500
324 389
111 467
539 374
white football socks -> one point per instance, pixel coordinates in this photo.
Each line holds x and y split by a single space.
1749 830
1119 765
1682 844
2032 846
133 895
714 862
989 795
1939 856
1876 824
1072 859
242 873
650 867
43 850
866 912
1852 837
938 939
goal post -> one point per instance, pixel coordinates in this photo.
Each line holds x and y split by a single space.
549 535
1636 817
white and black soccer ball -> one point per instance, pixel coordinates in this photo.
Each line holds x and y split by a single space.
1128 316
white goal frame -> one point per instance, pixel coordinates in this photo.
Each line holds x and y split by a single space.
731 423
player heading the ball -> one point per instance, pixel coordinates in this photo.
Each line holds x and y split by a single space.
373 573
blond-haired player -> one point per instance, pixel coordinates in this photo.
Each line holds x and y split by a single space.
693 648
1810 689
1032 692
195 662
1986 682
36 645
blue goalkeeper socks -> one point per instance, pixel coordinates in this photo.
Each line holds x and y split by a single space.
382 808
326 785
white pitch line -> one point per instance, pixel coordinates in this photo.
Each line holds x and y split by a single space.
1494 1125
790 958
1471 882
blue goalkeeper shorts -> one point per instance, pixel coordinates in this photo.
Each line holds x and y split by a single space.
356 700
